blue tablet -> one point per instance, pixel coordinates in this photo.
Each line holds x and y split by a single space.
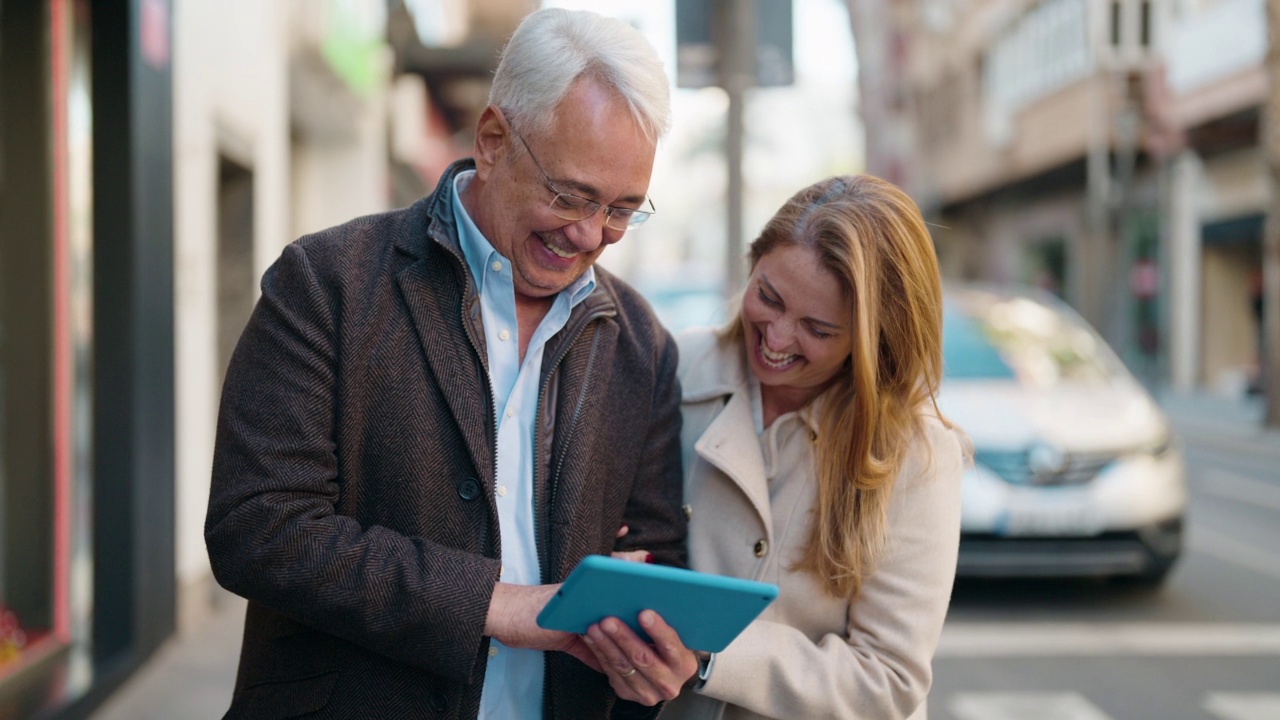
707 610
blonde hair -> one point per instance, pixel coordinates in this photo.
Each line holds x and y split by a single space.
871 236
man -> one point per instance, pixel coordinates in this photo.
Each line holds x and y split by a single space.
435 413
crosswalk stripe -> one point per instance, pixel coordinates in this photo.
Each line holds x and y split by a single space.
1243 706
1024 706
981 639
1074 706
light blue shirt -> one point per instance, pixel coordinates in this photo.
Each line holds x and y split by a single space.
513 679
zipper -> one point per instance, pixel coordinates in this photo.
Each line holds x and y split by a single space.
575 332
573 421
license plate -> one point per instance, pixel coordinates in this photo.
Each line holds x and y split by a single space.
1043 514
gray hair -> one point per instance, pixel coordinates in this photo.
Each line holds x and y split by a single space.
554 47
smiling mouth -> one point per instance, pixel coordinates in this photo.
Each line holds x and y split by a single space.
556 249
774 360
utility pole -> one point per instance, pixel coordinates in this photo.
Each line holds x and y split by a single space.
1271 239
737 50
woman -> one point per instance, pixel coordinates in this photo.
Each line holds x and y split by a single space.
816 459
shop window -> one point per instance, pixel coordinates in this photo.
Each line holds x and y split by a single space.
1045 265
27 562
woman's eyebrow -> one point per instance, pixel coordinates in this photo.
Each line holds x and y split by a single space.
764 279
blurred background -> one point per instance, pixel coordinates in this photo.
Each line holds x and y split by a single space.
1100 181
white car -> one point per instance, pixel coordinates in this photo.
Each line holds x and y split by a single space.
1076 471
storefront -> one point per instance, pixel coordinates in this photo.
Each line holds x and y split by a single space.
86 350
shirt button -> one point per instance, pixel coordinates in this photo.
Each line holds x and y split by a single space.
497 266
510 412
503 335
762 547
688 511
493 651
502 491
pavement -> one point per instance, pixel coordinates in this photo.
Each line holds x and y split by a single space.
191 676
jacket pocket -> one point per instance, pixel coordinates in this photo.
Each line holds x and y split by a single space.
283 698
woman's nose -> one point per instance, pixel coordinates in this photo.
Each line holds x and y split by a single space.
777 335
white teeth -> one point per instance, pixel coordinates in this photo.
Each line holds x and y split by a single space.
566 254
773 359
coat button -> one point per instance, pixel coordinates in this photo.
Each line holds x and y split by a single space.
469 489
762 547
438 702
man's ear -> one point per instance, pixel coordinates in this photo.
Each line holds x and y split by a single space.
492 139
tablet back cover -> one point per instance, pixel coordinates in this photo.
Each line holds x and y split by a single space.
708 611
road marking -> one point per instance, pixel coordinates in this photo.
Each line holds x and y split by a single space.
1024 706
1228 549
979 639
1231 486
1074 706
1243 706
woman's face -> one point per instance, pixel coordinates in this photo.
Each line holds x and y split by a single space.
795 320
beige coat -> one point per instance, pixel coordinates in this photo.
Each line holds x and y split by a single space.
750 500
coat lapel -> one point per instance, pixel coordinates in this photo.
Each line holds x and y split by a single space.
730 444
433 295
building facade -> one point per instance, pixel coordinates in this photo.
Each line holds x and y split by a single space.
1105 150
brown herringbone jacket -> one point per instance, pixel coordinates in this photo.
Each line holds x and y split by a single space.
352 493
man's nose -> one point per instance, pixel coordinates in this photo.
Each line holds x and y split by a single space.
589 233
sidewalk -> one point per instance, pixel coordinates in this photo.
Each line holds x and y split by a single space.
191 676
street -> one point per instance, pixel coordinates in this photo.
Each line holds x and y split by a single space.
1205 646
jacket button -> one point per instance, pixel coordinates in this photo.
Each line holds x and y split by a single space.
762 547
437 701
469 489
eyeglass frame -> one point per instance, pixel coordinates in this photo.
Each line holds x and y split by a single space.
635 216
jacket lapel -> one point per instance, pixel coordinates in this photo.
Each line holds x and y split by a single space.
433 295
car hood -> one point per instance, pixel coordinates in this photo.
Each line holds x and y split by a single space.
1004 414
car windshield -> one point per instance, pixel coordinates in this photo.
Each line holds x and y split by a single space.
993 337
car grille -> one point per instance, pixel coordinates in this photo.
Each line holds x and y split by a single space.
1015 467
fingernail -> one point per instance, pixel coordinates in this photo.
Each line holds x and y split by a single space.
646 618
648 557
587 639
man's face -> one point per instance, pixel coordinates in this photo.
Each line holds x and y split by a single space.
594 150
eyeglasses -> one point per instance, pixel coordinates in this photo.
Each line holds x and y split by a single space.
568 206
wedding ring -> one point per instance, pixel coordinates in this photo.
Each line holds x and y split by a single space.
628 673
